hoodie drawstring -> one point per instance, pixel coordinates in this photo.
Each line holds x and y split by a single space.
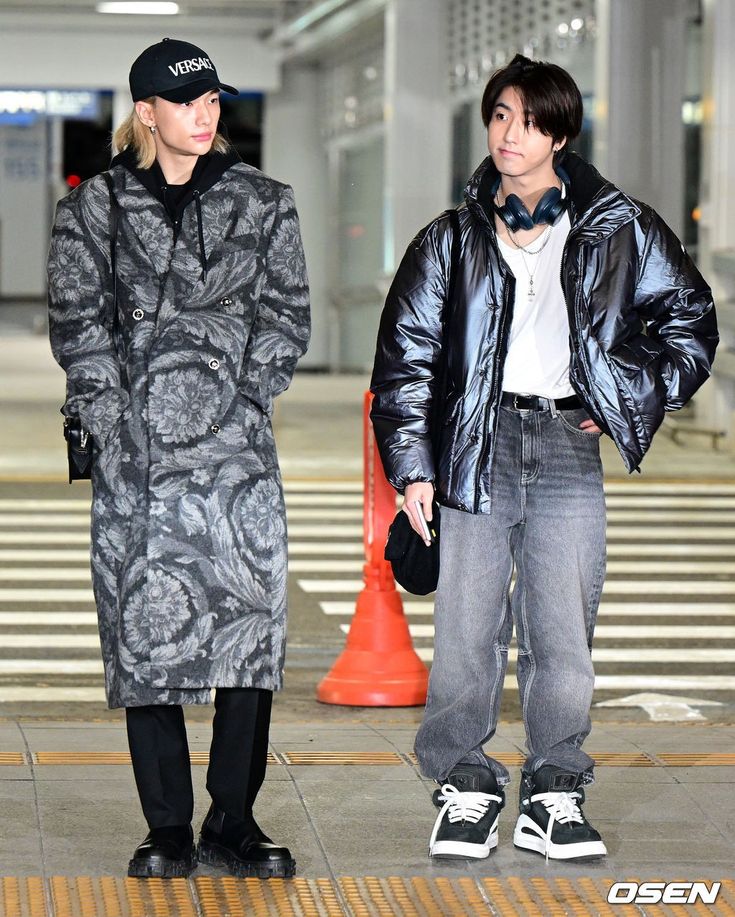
200 228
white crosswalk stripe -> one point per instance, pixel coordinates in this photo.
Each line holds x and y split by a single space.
618 654
45 538
668 603
671 557
80 569
46 618
21 694
612 587
607 609
46 596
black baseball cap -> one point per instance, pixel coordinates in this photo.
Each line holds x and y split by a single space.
174 70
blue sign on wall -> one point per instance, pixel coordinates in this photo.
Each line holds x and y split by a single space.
23 106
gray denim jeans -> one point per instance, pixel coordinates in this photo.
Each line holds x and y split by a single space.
547 524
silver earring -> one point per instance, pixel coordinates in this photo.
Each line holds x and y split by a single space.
153 130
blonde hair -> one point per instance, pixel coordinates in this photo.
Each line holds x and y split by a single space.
134 134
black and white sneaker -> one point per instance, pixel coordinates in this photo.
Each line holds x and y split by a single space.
467 825
551 821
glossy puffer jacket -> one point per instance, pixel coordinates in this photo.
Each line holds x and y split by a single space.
642 335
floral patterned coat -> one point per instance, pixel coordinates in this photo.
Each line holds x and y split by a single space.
188 521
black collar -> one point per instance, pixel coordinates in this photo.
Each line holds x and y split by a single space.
207 172
596 206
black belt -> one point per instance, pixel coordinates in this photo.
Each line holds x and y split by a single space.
537 403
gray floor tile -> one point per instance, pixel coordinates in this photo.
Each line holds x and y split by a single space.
20 838
15 772
622 775
375 775
703 775
659 804
11 738
677 854
395 822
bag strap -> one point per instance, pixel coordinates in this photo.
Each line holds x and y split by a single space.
114 221
454 262
440 389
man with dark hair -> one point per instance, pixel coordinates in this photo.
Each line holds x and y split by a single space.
547 310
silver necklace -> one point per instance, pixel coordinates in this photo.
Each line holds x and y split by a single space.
531 275
525 251
545 235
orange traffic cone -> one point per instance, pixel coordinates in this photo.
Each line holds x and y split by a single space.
379 666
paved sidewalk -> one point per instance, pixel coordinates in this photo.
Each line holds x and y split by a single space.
663 801
665 808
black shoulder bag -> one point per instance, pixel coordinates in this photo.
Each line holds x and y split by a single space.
416 564
79 442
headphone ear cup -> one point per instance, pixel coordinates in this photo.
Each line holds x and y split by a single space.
507 216
516 213
549 208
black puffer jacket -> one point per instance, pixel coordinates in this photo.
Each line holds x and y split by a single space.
642 335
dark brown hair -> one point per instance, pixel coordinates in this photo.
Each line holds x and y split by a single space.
548 93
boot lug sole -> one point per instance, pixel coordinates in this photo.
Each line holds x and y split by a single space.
161 868
213 855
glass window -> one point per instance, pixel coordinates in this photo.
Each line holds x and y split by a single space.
360 216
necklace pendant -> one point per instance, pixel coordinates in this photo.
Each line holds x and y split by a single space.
531 293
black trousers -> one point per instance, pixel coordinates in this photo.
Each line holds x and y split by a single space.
237 758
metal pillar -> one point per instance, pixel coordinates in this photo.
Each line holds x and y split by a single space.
640 82
417 121
293 152
717 223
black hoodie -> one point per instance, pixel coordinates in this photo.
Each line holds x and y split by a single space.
175 198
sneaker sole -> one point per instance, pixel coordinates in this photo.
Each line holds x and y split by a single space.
161 868
461 850
589 850
213 855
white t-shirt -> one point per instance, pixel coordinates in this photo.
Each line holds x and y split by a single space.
537 362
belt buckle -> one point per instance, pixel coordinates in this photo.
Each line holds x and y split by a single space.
529 398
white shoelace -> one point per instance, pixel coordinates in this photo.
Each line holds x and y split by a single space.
464 807
562 808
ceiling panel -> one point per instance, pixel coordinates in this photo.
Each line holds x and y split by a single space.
274 12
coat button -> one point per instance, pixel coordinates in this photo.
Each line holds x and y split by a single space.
225 301
215 428
214 364
138 314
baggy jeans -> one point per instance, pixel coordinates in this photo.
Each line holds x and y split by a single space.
546 524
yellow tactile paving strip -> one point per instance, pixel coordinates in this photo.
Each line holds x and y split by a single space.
104 757
619 759
712 759
509 759
285 898
82 896
360 896
613 759
22 897
346 758
341 757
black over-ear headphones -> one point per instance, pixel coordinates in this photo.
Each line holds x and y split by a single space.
549 209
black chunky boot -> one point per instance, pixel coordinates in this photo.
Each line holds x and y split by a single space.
166 853
242 848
